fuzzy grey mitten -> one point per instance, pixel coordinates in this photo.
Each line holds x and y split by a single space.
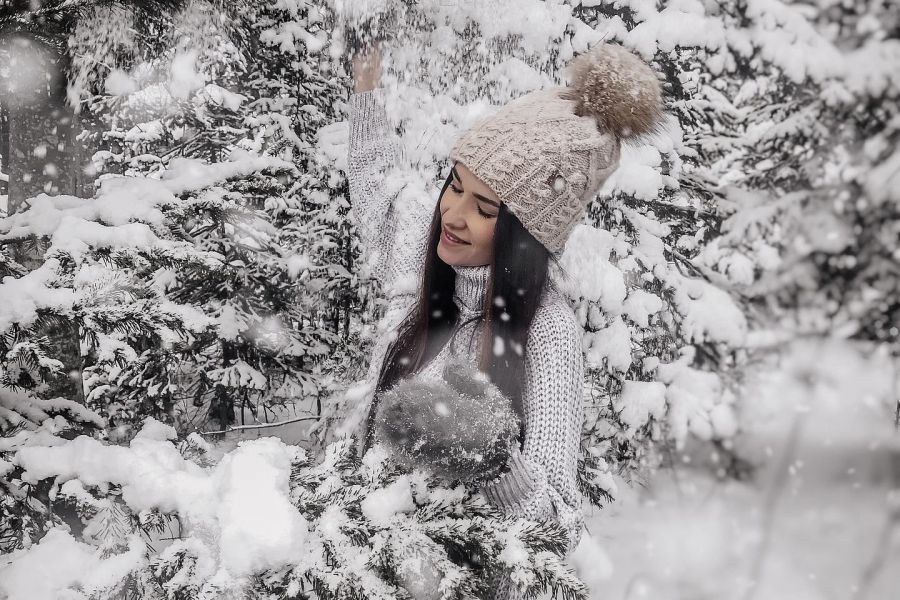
461 426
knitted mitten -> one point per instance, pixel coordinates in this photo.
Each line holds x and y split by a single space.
460 427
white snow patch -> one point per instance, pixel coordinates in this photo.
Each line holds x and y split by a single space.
639 402
27 576
384 503
242 504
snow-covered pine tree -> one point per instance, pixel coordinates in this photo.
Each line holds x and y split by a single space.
26 363
111 270
665 335
296 94
817 175
173 93
237 312
789 132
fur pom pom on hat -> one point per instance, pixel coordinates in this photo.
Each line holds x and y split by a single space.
547 153
616 88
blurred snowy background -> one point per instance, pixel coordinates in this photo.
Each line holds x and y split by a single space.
186 315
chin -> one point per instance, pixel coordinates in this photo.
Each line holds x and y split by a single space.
457 261
443 255
449 257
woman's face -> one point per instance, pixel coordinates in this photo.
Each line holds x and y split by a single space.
468 215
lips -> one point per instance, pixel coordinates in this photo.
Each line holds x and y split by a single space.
450 238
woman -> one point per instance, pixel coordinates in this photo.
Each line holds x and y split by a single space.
520 180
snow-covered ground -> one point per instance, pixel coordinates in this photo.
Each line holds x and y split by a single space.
818 519
688 537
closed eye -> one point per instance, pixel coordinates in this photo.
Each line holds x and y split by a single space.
456 190
484 214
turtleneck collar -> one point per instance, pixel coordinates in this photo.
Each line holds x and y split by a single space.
471 284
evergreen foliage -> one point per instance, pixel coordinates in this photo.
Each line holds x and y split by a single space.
368 526
215 278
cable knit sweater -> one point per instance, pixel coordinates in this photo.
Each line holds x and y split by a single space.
540 481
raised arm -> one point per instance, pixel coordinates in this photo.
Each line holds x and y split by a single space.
392 228
373 152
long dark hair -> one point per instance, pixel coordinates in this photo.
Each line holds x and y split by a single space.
517 278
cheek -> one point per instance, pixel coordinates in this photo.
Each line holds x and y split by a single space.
485 232
445 202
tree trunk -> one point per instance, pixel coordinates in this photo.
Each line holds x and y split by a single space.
41 155
4 155
41 128
222 408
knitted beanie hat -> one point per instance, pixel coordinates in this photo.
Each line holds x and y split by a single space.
547 153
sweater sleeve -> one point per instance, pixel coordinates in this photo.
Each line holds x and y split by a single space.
392 229
392 226
540 481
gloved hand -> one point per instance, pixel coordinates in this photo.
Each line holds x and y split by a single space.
461 426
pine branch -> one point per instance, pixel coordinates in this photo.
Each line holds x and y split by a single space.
52 22
259 426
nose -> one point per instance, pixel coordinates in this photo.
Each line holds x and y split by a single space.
454 216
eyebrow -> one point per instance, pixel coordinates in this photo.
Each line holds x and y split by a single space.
479 196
